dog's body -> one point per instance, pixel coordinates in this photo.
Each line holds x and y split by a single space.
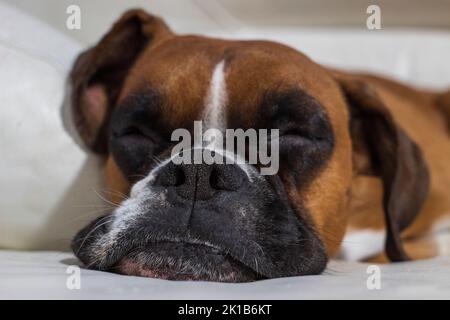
356 153
423 116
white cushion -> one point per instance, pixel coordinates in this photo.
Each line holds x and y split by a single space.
417 57
46 179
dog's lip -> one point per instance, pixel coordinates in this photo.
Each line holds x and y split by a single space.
126 264
192 242
127 246
216 249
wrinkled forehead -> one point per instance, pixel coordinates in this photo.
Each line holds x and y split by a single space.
190 74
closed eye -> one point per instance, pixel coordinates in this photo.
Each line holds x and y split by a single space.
293 132
303 133
132 132
298 116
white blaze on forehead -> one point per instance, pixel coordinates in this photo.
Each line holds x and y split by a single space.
216 99
214 116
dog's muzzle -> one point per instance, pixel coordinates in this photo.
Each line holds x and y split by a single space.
219 222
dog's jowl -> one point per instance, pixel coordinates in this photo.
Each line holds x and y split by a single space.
349 158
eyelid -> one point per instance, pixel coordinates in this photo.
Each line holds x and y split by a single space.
131 130
293 129
302 133
137 132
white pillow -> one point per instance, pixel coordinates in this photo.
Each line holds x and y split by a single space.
46 179
417 57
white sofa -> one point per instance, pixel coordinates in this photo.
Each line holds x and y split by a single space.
50 187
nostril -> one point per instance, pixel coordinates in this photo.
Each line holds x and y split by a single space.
171 176
214 180
225 177
180 177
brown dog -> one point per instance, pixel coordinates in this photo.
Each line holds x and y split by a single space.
356 152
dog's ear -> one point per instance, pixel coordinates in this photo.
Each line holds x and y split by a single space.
443 103
383 149
98 73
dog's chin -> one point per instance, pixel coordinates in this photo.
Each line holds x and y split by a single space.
184 261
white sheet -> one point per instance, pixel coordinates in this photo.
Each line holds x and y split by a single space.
42 275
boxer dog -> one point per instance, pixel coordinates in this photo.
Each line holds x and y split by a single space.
357 153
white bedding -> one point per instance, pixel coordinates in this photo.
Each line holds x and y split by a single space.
42 275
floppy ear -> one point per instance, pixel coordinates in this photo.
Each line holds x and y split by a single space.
443 103
382 148
98 73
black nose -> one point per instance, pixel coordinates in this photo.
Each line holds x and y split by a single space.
200 181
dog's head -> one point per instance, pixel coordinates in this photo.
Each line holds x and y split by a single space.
227 222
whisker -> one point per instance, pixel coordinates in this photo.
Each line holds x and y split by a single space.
89 214
90 232
104 199
112 193
137 176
